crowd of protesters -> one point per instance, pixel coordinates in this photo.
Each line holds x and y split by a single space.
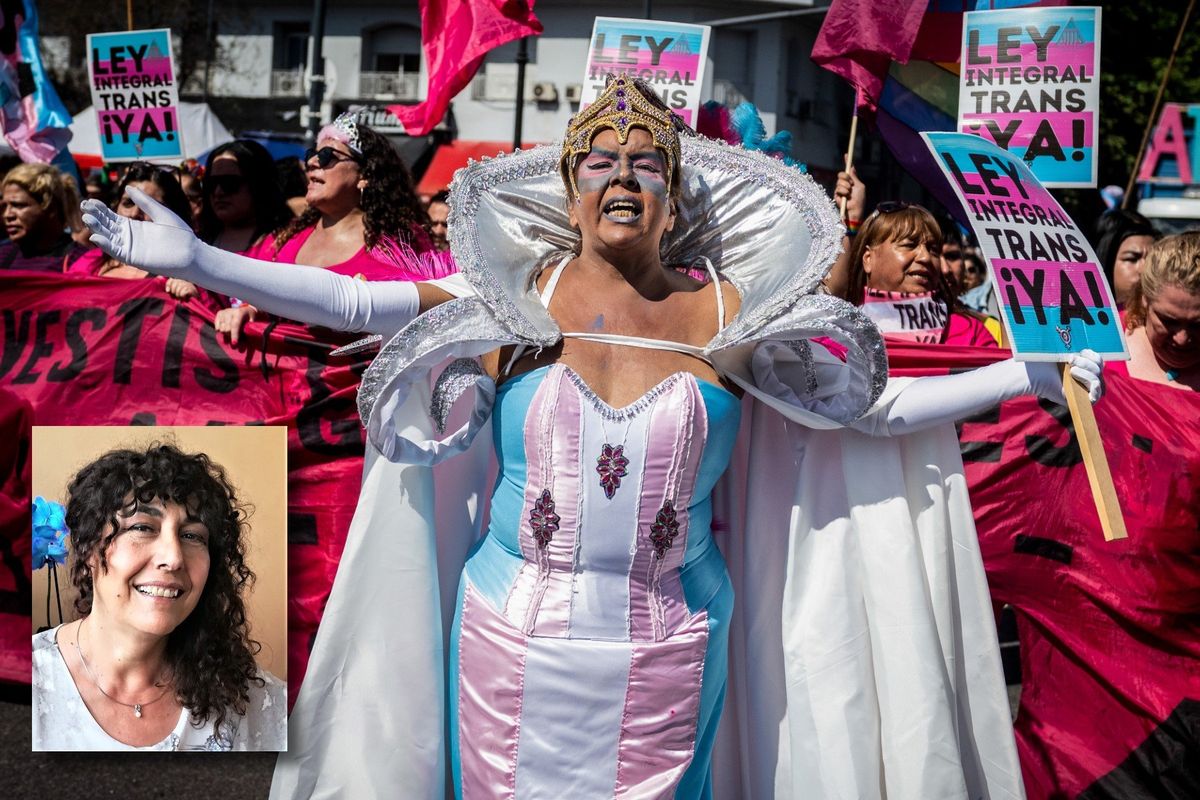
350 206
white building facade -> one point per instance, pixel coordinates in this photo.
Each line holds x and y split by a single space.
372 52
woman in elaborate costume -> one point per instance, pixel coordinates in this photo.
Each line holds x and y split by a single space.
590 651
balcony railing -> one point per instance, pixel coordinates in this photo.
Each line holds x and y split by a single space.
389 85
287 83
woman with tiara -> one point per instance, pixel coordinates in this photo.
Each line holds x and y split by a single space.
594 637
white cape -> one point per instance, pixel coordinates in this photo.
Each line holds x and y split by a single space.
864 655
864 661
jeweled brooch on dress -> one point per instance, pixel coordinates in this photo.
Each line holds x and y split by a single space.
542 519
664 529
610 465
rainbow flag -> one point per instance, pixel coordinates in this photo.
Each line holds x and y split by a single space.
906 73
32 118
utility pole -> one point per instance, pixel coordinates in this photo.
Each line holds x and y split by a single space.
210 49
316 89
522 60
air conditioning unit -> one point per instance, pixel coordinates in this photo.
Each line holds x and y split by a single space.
574 92
544 92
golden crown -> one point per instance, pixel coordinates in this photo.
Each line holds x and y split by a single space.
624 104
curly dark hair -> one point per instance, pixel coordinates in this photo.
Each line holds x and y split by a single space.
389 202
210 654
258 170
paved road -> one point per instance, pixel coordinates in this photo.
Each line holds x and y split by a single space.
130 776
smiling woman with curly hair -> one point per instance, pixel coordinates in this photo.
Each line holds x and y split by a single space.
162 658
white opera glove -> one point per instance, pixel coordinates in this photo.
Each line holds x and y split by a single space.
921 403
167 246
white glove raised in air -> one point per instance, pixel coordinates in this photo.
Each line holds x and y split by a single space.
167 246
923 403
164 246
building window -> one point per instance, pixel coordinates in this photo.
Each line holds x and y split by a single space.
291 46
397 62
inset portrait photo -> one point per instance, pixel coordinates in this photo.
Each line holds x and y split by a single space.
160 588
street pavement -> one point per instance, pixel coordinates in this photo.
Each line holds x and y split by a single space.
131 776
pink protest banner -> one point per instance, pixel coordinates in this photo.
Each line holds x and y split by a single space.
670 56
1030 83
135 94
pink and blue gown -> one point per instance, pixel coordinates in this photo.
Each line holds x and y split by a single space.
589 647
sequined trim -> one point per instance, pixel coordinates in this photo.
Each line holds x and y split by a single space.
459 321
627 412
529 179
774 179
455 379
368 343
470 186
803 351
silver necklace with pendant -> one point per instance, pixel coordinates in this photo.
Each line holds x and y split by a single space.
137 707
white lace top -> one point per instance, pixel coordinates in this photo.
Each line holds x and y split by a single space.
61 721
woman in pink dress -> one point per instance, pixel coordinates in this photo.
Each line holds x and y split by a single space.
363 217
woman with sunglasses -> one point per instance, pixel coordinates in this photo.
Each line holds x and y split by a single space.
896 276
363 217
242 200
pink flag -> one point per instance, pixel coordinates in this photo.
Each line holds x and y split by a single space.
860 39
455 35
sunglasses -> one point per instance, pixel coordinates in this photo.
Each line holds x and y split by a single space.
889 207
327 156
228 184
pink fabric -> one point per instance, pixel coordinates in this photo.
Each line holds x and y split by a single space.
552 447
489 698
967 331
656 748
361 263
455 36
677 433
87 264
860 39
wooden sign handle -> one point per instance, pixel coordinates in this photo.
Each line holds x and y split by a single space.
1094 458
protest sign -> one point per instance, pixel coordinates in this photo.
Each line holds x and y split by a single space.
901 315
1173 157
670 56
1053 295
136 95
1054 298
1029 82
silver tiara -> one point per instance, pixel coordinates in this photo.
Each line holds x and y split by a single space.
347 123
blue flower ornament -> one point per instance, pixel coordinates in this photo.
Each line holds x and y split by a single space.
49 533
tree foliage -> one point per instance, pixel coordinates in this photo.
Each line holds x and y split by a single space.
1135 45
75 19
